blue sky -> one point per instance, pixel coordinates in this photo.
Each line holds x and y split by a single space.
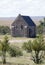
11 8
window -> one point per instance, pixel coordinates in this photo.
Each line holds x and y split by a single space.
25 26
21 26
16 26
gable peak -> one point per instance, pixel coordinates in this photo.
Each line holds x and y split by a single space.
19 15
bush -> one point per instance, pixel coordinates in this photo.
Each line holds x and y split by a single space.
15 51
37 46
27 46
4 30
0 53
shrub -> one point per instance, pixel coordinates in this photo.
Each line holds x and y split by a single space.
15 51
27 46
38 46
4 30
4 48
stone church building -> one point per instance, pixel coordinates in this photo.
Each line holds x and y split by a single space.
23 26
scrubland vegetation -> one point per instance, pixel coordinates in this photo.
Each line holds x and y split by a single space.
31 52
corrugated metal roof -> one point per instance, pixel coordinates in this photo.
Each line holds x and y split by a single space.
29 21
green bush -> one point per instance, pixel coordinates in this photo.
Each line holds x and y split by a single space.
15 51
0 53
4 30
37 46
19 52
27 46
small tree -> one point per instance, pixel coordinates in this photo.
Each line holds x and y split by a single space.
37 46
40 28
12 50
5 47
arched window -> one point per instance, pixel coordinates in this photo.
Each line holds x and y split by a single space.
21 27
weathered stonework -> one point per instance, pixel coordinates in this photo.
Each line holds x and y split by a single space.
21 29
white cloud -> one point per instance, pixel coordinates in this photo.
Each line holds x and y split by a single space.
10 8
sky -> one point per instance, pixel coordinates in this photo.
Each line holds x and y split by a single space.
11 8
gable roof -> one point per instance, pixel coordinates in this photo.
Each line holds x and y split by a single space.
29 21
